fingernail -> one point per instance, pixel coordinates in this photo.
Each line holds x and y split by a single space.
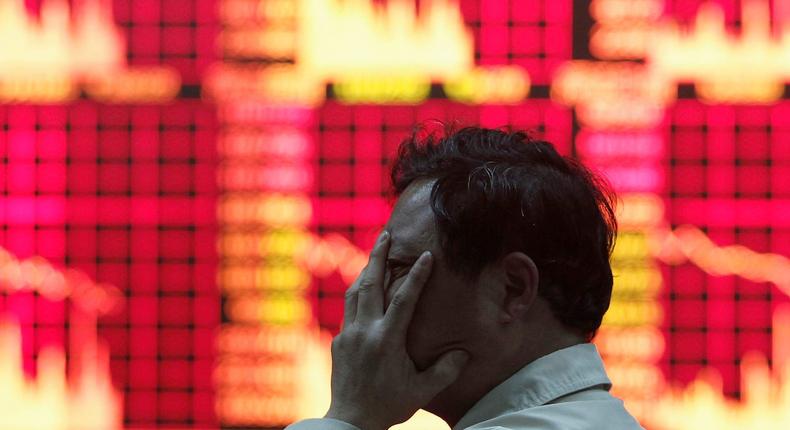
426 259
384 236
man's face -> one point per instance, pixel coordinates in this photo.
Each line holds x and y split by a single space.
448 313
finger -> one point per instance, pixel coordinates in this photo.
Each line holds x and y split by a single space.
350 307
443 373
401 308
370 296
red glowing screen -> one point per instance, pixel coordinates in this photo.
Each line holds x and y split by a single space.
224 205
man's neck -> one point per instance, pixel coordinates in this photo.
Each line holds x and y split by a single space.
478 380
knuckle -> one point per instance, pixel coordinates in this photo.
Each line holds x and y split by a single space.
374 340
356 335
347 337
399 301
337 343
350 293
360 276
366 285
374 255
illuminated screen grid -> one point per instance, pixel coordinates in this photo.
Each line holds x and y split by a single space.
728 171
141 217
32 184
532 34
125 195
686 10
141 204
178 33
356 146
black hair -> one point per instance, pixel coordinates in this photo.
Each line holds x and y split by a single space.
499 191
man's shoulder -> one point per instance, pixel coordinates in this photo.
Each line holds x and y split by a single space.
585 410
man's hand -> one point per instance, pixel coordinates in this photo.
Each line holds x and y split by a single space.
375 384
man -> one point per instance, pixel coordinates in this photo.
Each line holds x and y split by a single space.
482 294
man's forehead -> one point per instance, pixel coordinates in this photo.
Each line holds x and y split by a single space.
412 222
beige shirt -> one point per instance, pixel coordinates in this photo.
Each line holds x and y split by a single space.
567 389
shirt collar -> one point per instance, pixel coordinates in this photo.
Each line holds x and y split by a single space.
562 372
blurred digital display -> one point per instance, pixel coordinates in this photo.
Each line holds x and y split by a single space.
107 178
189 186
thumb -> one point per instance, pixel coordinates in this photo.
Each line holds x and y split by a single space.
445 371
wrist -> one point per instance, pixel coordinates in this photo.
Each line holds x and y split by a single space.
355 418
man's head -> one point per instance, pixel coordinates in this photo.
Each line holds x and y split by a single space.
521 237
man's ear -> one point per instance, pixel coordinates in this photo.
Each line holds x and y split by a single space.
521 285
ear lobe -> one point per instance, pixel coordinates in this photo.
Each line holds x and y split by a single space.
521 285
